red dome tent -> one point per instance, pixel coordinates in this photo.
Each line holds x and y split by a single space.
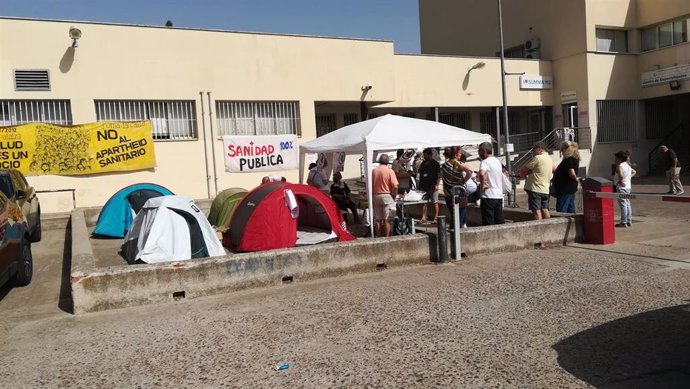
264 221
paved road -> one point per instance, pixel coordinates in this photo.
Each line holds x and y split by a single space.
608 316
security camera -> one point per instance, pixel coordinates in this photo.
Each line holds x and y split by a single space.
367 87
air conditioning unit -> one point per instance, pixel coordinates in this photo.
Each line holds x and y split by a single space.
532 44
534 54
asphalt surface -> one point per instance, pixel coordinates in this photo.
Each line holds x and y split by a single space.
615 316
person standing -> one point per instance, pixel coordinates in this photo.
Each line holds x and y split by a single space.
317 177
491 186
401 172
384 190
565 179
429 181
454 173
672 167
623 181
539 173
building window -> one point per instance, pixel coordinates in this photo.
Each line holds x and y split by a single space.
616 120
325 123
350 118
257 118
410 115
171 120
455 119
373 115
665 35
13 112
487 123
615 41
514 52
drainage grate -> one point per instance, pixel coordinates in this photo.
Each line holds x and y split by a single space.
179 295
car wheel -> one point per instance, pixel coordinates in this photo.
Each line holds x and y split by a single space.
36 233
26 266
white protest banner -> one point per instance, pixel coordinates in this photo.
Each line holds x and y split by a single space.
247 154
338 162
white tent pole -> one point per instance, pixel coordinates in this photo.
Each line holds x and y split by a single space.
302 159
370 194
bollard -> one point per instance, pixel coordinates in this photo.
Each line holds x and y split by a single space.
442 240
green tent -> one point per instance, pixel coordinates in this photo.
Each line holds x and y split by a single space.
223 206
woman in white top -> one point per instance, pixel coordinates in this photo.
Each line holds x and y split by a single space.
623 181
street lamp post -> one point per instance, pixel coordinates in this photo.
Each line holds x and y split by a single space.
505 97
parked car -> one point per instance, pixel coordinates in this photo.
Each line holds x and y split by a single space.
20 224
14 185
16 262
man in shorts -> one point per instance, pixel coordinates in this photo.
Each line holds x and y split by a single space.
384 190
429 182
539 171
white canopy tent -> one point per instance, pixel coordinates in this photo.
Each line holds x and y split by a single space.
385 133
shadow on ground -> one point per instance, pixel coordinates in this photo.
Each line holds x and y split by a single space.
647 350
65 299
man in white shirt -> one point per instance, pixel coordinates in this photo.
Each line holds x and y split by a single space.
491 186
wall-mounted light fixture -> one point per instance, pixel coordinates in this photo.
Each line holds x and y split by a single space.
75 35
366 87
675 85
478 65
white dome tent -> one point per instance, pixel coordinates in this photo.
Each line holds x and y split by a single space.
170 228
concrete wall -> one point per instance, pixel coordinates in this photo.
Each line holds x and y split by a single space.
100 288
470 27
419 84
657 11
120 62
133 63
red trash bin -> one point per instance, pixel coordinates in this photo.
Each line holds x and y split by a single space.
598 213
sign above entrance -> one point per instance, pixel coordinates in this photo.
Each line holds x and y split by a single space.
568 97
665 75
536 82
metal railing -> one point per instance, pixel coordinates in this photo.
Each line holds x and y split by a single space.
74 198
553 141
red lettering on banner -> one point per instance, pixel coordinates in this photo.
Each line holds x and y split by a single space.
250 151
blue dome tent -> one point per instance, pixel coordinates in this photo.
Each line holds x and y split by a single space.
118 213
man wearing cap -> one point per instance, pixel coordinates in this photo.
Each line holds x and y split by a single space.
539 171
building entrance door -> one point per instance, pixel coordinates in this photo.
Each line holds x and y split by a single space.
570 115
537 122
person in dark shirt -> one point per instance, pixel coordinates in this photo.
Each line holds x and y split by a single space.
340 193
565 178
429 181
672 167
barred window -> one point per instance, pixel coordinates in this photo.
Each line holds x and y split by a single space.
410 115
257 118
13 112
170 119
350 118
487 123
325 123
616 120
456 119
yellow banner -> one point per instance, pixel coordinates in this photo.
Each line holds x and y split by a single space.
41 148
